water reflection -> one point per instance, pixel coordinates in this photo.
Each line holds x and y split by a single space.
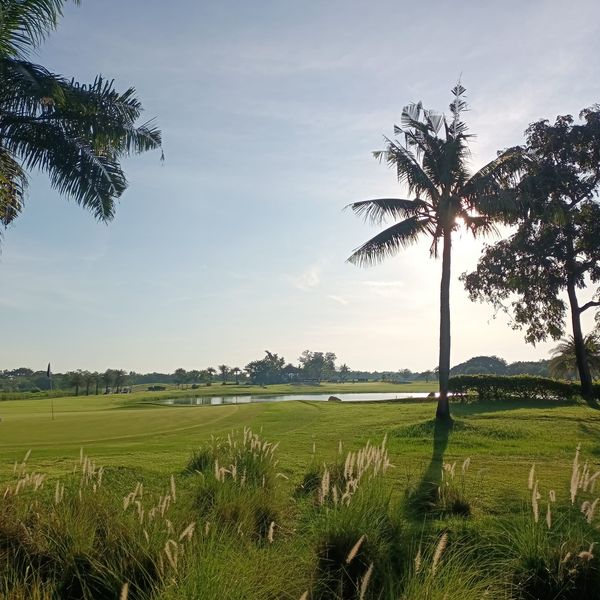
252 398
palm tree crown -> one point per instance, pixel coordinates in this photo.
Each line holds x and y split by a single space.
75 133
563 363
430 156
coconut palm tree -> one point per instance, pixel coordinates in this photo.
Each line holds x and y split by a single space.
563 363
344 370
235 371
75 133
430 156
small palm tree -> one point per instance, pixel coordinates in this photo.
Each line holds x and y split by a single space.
563 363
344 370
431 159
236 372
75 133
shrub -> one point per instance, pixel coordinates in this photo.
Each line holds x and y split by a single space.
517 387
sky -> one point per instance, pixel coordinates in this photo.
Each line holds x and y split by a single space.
270 110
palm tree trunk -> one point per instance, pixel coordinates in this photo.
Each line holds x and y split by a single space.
443 407
581 358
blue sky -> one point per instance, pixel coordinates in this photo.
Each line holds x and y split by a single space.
269 112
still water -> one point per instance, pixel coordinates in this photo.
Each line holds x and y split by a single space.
250 398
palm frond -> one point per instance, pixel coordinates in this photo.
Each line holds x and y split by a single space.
13 185
24 24
408 170
389 241
379 210
93 179
479 225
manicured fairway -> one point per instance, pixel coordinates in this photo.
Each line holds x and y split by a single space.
503 440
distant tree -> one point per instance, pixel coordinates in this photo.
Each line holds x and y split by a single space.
194 375
266 371
427 375
77 134
555 248
344 370
431 159
88 379
317 365
180 376
224 370
563 363
75 380
107 379
405 374
481 365
209 373
96 379
120 378
236 373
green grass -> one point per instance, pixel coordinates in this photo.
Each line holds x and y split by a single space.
137 439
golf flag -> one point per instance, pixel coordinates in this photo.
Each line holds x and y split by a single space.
48 371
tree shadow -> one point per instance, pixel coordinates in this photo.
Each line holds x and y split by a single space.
423 499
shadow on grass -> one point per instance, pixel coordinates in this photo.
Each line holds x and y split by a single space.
424 498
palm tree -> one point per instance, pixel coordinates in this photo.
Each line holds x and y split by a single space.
75 133
431 159
563 363
344 370
236 372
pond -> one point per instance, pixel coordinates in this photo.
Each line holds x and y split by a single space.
252 398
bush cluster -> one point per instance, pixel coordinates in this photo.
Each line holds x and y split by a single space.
518 387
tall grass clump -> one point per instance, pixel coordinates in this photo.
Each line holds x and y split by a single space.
551 553
444 569
452 497
236 485
82 542
357 537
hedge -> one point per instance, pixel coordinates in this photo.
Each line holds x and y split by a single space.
517 387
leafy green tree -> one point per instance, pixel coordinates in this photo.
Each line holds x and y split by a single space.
107 379
430 157
76 133
266 371
555 248
563 363
209 375
224 370
75 379
120 378
180 376
481 365
88 379
317 365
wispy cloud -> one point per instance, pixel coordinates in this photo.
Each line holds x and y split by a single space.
338 299
310 278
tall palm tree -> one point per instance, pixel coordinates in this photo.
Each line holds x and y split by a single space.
76 133
430 156
563 363
236 372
